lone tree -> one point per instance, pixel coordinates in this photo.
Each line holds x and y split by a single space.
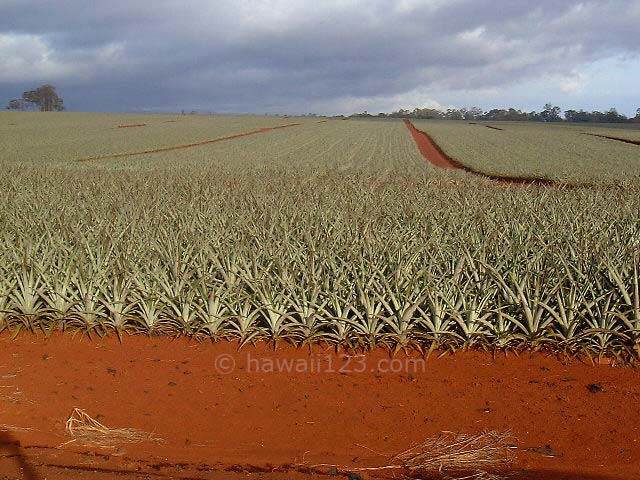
551 113
45 98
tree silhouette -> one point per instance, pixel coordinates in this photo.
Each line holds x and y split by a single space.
16 104
44 98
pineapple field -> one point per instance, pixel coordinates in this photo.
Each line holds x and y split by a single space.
569 154
335 232
222 297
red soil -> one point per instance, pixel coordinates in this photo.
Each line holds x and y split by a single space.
435 155
190 145
133 125
223 415
430 150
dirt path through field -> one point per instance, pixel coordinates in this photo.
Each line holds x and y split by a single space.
430 150
258 413
436 156
617 139
189 145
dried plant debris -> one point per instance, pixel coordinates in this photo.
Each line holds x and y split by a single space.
14 428
88 431
450 456
451 453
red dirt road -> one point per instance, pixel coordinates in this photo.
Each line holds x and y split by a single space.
436 156
430 150
189 145
224 414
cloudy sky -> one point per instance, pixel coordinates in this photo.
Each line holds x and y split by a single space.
323 56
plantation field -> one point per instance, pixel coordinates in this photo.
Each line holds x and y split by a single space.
335 147
29 137
629 131
619 133
556 152
334 232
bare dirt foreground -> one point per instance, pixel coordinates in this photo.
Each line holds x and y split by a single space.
213 412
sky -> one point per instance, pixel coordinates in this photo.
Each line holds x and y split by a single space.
323 56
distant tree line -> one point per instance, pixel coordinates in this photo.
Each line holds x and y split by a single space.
44 98
550 113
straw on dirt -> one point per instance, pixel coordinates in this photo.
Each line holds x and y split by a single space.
458 453
13 428
89 431
451 456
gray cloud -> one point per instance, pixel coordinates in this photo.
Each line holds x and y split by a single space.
298 55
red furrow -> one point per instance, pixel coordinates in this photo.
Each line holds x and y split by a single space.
617 139
436 156
189 145
430 150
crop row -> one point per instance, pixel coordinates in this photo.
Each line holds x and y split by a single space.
415 302
337 232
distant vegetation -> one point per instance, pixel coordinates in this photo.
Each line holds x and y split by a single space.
550 113
44 98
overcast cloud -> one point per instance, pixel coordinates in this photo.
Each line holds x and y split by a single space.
323 56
